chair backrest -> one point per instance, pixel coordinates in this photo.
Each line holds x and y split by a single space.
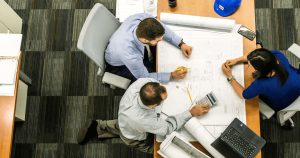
295 106
98 27
295 49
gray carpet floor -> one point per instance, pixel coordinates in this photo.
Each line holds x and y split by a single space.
66 91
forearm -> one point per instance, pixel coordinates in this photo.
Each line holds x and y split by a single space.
162 77
172 123
238 88
139 70
171 36
241 59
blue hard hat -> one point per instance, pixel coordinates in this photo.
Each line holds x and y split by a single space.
226 7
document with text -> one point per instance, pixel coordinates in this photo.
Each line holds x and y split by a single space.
210 50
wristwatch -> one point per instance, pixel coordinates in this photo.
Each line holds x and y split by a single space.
181 43
229 79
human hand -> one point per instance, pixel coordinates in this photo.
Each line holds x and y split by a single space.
231 62
186 50
199 110
226 70
179 73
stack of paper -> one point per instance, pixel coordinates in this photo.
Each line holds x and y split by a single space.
8 69
9 53
10 45
126 8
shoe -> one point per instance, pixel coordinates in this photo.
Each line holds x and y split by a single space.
258 39
87 132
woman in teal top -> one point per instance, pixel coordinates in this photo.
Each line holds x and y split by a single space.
276 82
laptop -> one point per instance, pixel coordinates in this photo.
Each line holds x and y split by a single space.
238 141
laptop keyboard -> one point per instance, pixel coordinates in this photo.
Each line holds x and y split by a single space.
232 136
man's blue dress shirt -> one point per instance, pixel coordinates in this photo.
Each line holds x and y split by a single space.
124 48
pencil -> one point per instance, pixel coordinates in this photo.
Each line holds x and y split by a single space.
182 68
8 57
188 91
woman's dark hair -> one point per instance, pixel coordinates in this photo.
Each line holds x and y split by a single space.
150 29
264 62
151 92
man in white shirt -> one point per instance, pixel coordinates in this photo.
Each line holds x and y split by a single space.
138 118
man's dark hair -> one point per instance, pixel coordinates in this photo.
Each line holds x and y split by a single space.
151 92
150 29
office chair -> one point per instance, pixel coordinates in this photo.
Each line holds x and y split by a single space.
97 29
284 114
21 102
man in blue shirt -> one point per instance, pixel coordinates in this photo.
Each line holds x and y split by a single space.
125 54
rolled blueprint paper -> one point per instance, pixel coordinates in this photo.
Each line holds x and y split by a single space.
174 146
202 136
197 21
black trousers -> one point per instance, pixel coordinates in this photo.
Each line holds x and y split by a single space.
124 71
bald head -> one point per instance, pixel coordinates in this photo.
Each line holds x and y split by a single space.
152 93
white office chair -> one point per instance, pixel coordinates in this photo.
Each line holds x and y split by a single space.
284 114
21 102
98 27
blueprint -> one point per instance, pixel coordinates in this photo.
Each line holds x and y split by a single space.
210 50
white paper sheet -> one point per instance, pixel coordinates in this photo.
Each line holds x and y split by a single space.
210 50
8 70
214 130
9 47
10 44
197 21
126 8
173 151
7 90
180 105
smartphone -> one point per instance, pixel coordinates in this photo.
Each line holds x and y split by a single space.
249 34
